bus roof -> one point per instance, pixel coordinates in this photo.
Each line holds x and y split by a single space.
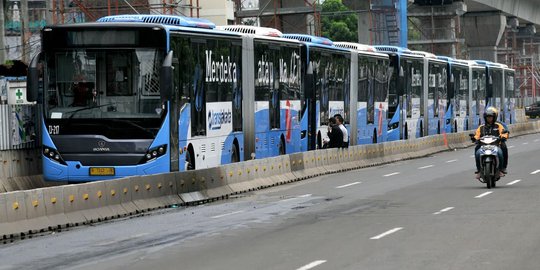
392 49
426 54
309 39
254 30
490 64
361 48
161 19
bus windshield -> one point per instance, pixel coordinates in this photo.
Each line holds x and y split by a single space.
102 84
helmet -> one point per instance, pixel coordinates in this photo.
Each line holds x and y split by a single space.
491 111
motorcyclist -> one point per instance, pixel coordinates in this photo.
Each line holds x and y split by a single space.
491 127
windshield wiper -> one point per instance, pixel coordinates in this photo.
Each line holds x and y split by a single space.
73 113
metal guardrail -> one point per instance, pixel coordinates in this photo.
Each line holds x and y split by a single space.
46 209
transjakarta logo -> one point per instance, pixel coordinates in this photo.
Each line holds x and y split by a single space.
218 118
222 70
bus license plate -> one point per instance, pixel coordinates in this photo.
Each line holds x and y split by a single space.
101 171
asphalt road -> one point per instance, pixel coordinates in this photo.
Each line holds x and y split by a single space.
427 213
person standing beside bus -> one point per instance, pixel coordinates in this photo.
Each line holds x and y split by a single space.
335 136
340 120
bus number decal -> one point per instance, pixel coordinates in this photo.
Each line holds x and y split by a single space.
54 129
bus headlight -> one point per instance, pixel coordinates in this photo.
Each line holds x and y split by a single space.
154 153
53 155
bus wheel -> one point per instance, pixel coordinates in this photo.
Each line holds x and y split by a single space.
406 133
234 154
190 159
281 147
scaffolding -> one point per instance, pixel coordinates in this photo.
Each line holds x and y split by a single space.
521 52
294 16
383 22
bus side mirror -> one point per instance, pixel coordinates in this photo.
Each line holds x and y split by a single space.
32 79
166 78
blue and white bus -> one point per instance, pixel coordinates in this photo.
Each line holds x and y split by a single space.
405 96
435 94
145 94
458 95
369 87
330 94
509 99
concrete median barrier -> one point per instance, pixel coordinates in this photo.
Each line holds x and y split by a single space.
54 207
35 211
119 198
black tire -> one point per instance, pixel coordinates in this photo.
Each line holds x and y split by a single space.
374 140
487 175
421 130
282 150
406 133
190 159
319 141
235 154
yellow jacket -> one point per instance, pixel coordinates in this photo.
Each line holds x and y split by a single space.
496 129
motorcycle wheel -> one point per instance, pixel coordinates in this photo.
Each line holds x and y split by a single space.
487 175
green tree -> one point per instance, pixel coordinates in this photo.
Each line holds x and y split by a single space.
337 26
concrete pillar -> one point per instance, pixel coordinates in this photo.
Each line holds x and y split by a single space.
483 32
2 31
363 28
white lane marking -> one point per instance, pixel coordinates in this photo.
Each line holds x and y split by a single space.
390 174
425 167
228 214
484 194
450 161
386 233
535 172
471 156
525 143
297 197
444 210
311 265
511 146
536 140
348 185
513 182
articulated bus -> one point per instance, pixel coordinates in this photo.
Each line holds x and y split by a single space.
509 98
370 77
405 96
436 94
494 84
145 94
457 119
478 84
500 89
330 94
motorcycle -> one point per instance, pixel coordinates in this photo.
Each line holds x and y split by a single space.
489 159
